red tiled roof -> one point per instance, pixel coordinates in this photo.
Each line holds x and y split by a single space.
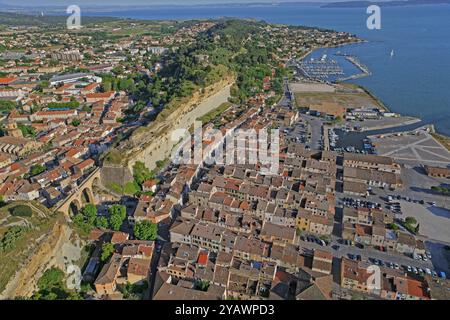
7 80
202 258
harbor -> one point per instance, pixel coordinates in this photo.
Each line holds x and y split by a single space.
321 68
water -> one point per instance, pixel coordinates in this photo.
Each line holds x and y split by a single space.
415 81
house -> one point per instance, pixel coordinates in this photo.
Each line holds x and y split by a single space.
106 282
321 225
85 165
100 96
138 270
150 185
354 276
322 261
406 243
277 234
18 146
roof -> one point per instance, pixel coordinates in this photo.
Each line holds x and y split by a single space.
140 267
202 258
119 237
270 229
7 80
172 292
110 270
368 158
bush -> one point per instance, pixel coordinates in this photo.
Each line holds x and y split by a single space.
21 211
11 236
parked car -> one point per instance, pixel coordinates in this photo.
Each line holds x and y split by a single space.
428 253
434 274
428 271
415 270
396 266
409 268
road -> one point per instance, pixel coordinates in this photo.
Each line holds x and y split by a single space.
315 126
366 253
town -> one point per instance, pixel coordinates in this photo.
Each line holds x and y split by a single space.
76 105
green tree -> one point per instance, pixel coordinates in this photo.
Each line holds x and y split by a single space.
107 251
52 278
21 211
145 230
90 213
117 214
410 220
36 169
141 172
101 222
76 122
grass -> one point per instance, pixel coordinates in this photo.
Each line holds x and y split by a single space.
214 113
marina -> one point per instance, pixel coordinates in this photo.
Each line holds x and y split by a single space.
341 67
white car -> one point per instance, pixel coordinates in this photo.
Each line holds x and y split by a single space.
424 258
409 268
396 266
415 270
428 271
428 253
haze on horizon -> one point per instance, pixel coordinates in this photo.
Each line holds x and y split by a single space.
39 3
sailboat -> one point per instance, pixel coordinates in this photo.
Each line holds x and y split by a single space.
392 53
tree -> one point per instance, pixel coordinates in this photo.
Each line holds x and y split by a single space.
101 222
90 213
117 214
76 122
21 211
145 230
410 220
36 169
141 172
107 251
393 226
52 278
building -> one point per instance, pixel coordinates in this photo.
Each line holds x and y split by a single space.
106 282
437 172
18 146
54 115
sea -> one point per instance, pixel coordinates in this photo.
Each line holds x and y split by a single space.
409 57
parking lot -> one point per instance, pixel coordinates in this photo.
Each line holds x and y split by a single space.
434 221
412 148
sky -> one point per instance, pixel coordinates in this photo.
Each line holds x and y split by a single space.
142 2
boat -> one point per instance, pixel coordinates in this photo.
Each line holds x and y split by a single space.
392 53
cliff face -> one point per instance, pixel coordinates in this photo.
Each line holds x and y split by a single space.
152 143
50 251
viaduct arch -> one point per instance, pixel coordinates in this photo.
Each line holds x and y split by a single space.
83 194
